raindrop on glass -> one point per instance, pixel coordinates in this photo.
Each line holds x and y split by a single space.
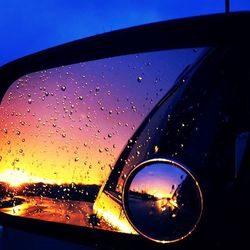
139 79
63 88
156 149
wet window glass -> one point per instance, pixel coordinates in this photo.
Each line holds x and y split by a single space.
63 129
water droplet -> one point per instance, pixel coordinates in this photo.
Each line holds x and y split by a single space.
63 135
138 152
77 159
18 132
67 217
97 89
46 93
156 149
100 150
5 130
29 101
80 98
85 144
139 79
109 135
102 108
63 88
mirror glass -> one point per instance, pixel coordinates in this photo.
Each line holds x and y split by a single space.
162 201
63 129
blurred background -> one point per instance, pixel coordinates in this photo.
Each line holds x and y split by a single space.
28 26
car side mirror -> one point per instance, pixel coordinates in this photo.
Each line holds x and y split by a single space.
59 203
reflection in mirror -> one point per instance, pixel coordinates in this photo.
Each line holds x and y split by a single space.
162 201
63 129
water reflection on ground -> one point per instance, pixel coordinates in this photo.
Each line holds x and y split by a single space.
56 210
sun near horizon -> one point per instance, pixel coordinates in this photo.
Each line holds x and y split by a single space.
16 178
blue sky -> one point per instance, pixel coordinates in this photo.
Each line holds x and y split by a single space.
27 26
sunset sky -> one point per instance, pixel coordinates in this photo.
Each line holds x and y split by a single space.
69 124
158 179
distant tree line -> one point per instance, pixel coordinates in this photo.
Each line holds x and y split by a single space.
78 192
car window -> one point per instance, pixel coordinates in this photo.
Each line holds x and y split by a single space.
63 129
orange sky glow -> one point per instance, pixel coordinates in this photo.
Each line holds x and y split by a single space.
70 124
